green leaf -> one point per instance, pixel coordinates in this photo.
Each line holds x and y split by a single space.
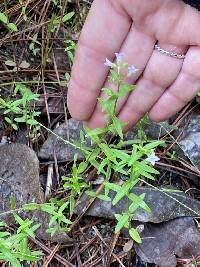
124 190
8 120
3 18
153 145
65 220
12 27
125 89
93 155
108 152
3 224
135 235
12 201
15 127
113 186
4 234
53 220
62 207
49 208
91 193
147 175
115 76
108 105
104 198
137 201
32 122
68 16
144 167
31 206
94 132
21 119
122 222
109 91
121 154
102 165
118 126
82 167
11 258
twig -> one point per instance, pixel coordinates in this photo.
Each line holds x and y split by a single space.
57 256
113 254
49 181
50 257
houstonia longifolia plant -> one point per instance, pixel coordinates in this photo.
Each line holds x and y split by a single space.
134 163
133 159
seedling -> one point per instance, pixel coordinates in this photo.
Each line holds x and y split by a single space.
5 20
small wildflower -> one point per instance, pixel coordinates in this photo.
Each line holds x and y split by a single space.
132 70
119 57
152 158
108 63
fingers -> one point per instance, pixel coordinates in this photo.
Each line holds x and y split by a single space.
103 34
160 73
134 54
182 90
168 21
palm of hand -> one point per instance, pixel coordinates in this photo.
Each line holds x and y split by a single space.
132 27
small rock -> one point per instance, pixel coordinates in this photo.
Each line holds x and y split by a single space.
4 140
128 246
162 243
60 57
152 129
54 146
163 207
22 135
19 175
55 106
190 141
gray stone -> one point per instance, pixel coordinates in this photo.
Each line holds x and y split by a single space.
163 243
190 141
19 176
55 146
164 207
198 99
152 129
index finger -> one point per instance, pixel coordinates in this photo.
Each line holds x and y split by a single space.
105 29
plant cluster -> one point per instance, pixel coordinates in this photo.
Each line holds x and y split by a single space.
14 247
18 108
135 163
5 20
134 159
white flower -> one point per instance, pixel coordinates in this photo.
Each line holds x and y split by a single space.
108 63
152 158
132 70
119 57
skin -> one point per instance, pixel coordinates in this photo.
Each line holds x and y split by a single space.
132 27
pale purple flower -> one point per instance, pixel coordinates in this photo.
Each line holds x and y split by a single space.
132 70
108 63
119 57
152 158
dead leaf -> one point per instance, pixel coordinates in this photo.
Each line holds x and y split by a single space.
128 246
24 65
10 63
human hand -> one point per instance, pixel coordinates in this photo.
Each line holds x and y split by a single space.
133 27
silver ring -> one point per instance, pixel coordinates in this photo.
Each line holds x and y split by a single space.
168 53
